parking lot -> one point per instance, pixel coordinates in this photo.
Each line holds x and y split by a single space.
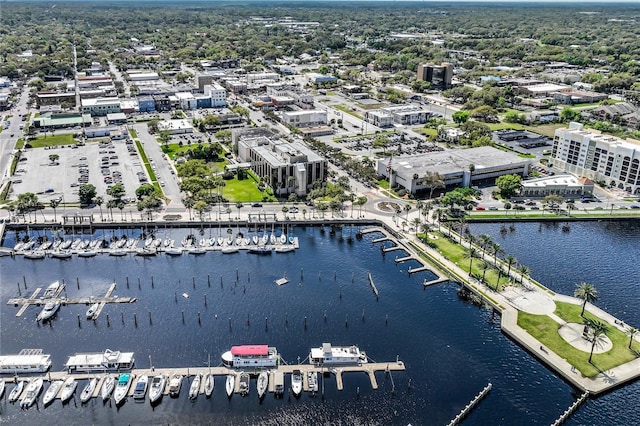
101 164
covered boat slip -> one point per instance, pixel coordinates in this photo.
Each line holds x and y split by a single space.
27 361
106 361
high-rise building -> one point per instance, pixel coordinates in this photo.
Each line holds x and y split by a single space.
439 76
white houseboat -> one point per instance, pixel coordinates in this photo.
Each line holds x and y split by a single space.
336 355
27 361
94 362
247 356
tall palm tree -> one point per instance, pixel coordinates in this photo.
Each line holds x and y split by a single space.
484 241
631 331
470 254
239 205
121 207
523 270
597 333
189 202
511 260
587 292
433 181
484 265
99 201
407 209
416 223
496 249
499 268
54 205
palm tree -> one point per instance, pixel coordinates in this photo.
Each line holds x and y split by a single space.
239 205
229 213
523 270
99 201
121 207
496 249
110 205
484 265
631 331
462 222
588 293
511 260
433 181
470 254
407 209
499 276
597 333
54 205
416 223
189 202
484 241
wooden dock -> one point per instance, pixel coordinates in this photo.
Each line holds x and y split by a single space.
405 259
436 281
25 302
373 285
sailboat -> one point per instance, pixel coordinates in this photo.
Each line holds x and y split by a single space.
209 381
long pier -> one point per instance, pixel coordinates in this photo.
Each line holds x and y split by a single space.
569 411
470 406
373 285
25 302
369 368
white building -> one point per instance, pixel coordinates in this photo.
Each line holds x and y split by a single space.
176 126
218 94
305 118
262 77
599 157
143 76
563 185
378 118
398 114
100 106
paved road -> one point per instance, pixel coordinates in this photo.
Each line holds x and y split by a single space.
8 142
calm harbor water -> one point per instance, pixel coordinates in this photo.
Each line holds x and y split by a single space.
451 349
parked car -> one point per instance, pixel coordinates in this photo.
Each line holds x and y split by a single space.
256 205
480 208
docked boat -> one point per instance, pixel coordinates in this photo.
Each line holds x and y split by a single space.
255 239
45 245
51 290
175 383
31 394
336 355
85 244
87 253
312 379
76 244
272 239
35 255
140 391
254 356
68 389
284 249
209 384
283 239
100 361
296 382
1 388
146 252
49 310
278 383
91 312
117 253
230 250
220 241
148 242
244 384
194 389
108 385
16 391
18 246
263 383
27 361
197 250
61 254
174 251
260 250
89 388
52 391
65 245
230 384
122 388
157 387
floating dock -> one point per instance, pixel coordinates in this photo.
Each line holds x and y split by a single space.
470 406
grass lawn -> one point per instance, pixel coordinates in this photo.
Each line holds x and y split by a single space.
504 126
383 184
133 133
455 253
348 110
426 131
55 140
545 329
245 190
20 143
546 129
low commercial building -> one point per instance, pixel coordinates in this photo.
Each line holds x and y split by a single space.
589 153
56 98
566 186
143 76
399 114
100 106
117 118
146 103
176 126
544 90
315 78
460 167
378 118
305 118
51 120
579 97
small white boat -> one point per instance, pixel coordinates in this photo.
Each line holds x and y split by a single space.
175 383
91 312
87 253
132 243
52 392
45 245
209 384
283 239
16 391
49 310
157 242
85 244
87 391
296 382
65 244
95 244
197 250
76 244
312 379
194 389
122 388
291 240
255 239
230 250
118 253
56 244
263 382
230 384
140 391
1 388
157 387
272 239
51 290
146 252
68 389
33 390
284 249
168 242
220 241
107 387
62 254
174 251
18 246
148 242
34 255
121 242
244 384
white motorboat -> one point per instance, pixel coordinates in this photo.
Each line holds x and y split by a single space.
168 242
45 245
1 388
230 250
85 244
174 251
244 384
194 389
56 244
122 388
121 242
18 246
89 388
230 384
91 312
76 244
220 241
51 290
157 242
61 254
140 391
107 387
31 394
197 250
49 310
284 249
87 253
296 382
65 245
283 239
132 243
146 252
254 356
312 379
291 240
209 384
16 391
263 382
34 255
52 392
156 388
255 239
148 242
337 355
68 389
272 239
118 253
175 383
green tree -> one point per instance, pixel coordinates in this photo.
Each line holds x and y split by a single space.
597 332
86 193
631 331
54 205
460 117
189 203
164 137
471 253
485 113
515 117
587 292
509 185
510 261
152 125
99 202
569 114
54 157
145 190
432 181
116 192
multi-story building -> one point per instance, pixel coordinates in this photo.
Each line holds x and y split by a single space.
288 167
305 118
378 118
146 103
217 93
439 76
599 157
100 106
399 114
294 95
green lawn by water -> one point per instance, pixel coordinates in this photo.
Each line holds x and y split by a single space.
245 190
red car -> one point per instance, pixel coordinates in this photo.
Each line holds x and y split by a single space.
480 208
